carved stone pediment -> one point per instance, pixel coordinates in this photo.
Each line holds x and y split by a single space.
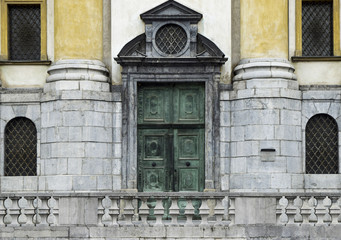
171 36
171 10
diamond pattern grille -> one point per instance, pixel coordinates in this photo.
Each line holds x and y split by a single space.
171 39
24 32
317 28
322 145
20 148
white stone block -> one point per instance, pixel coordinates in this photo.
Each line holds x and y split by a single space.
259 132
294 165
74 166
224 149
104 183
116 182
117 150
255 165
97 134
92 166
238 165
55 166
30 183
117 120
94 119
116 166
225 120
291 148
237 133
225 179
297 181
225 106
12 184
58 183
75 134
75 149
84 183
288 132
73 118
322 181
98 150
280 180
289 117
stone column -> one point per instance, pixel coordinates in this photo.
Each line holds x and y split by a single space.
78 107
266 134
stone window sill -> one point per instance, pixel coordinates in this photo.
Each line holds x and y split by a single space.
33 62
315 59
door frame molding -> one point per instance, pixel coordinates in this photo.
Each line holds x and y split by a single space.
131 76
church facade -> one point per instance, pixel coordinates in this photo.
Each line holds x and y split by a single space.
170 119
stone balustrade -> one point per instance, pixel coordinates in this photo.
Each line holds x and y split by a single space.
316 210
28 210
169 209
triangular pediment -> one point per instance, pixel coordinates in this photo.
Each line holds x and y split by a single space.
171 10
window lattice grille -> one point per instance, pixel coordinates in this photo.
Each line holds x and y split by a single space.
24 32
171 39
322 145
20 148
317 28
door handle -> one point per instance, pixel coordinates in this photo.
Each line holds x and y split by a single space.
153 164
188 164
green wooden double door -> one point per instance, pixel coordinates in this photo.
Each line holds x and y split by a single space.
170 144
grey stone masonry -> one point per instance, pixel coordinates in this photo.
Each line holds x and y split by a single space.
81 139
265 119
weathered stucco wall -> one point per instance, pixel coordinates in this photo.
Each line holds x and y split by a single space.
264 29
215 25
21 76
321 73
78 29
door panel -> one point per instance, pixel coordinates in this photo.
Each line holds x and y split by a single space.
189 104
153 105
189 159
154 155
170 141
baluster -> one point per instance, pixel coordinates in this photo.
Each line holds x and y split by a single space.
339 204
158 212
211 204
334 210
51 203
327 203
298 203
219 213
312 203
121 216
136 217
144 212
174 212
226 205
189 212
22 203
106 218
128 212
204 213
114 212
232 210
283 218
37 203
8 218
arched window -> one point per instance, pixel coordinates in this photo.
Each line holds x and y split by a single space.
322 154
20 148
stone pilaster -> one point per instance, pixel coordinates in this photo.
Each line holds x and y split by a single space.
266 134
77 128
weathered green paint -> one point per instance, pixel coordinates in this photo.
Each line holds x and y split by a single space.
171 121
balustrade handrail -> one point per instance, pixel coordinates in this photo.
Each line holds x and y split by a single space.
123 194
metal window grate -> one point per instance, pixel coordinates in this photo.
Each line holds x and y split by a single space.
171 39
322 145
317 28
20 148
24 32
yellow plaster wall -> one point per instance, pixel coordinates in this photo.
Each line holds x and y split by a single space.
264 28
78 29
